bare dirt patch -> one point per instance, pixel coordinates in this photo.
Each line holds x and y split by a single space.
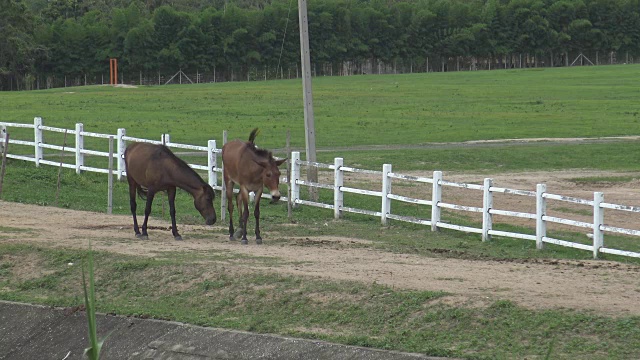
604 287
24 267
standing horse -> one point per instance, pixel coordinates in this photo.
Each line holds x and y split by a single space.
252 169
153 168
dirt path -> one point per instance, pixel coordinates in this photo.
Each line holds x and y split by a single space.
601 286
477 143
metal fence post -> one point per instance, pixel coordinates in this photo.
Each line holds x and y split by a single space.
38 139
338 182
436 197
295 175
487 205
541 212
386 190
598 220
121 147
79 147
212 162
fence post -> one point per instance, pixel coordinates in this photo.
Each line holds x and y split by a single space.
289 204
386 190
110 179
212 162
121 147
487 205
79 147
165 139
436 197
338 182
598 220
541 212
223 192
3 167
3 132
295 175
38 139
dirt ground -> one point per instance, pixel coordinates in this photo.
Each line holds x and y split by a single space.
603 287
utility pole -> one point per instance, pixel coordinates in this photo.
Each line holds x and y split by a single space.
309 122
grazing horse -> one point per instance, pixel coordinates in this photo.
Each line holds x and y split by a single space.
252 169
153 168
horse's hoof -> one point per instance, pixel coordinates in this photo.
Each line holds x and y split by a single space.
259 241
178 238
244 242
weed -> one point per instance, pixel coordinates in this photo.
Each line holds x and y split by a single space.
95 345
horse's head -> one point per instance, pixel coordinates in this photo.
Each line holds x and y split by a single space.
271 176
203 201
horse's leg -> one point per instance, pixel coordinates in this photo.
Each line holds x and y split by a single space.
134 205
147 212
238 233
244 202
256 213
171 193
229 192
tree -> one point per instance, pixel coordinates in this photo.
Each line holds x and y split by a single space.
169 29
140 48
64 9
561 14
18 51
75 37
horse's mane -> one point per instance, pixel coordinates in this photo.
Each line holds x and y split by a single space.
261 152
181 163
252 145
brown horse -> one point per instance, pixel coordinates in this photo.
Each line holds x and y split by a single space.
153 168
252 169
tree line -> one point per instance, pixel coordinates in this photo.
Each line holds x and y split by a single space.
44 41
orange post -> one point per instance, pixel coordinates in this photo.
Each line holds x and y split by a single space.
113 71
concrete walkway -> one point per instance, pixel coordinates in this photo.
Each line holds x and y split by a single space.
38 332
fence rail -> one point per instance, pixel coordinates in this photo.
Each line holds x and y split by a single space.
538 197
438 184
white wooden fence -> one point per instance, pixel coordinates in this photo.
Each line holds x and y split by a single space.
597 227
486 191
78 148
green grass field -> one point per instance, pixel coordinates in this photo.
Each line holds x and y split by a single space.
357 110
214 289
350 111
390 111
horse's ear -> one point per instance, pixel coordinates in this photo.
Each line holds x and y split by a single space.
281 161
252 136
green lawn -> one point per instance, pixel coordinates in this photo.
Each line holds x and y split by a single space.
350 111
357 110
218 289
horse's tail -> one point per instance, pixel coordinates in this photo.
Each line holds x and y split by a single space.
253 135
142 192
